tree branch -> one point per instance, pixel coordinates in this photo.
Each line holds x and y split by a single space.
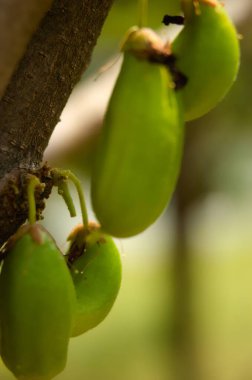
55 58
18 21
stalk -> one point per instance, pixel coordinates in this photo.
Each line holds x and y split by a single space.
143 13
33 183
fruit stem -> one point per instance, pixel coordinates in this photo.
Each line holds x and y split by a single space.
60 176
33 183
60 180
188 7
78 187
63 190
143 13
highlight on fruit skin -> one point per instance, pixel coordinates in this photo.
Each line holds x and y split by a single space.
207 51
37 305
96 269
139 153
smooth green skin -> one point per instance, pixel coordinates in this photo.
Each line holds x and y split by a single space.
208 53
37 303
97 278
139 155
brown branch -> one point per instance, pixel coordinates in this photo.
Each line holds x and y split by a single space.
18 21
57 55
13 199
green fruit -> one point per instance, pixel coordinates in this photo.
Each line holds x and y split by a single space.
207 52
37 304
95 267
139 152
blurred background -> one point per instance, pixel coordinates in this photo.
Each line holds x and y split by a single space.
184 311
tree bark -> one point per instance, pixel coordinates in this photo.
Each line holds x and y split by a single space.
54 60
18 21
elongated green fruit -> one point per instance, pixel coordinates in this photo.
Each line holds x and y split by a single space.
37 305
207 52
139 154
96 272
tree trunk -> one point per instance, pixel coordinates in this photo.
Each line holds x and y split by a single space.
56 56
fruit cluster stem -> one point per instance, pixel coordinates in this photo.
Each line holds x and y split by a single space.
187 7
63 190
33 183
60 177
143 13
78 186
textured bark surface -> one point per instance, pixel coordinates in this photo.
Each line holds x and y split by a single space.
18 21
54 60
13 198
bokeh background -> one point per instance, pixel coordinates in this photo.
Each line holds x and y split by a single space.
184 311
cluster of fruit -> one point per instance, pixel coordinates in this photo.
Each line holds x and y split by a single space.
160 86
47 297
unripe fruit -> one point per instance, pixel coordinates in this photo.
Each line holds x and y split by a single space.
37 303
139 152
207 52
95 267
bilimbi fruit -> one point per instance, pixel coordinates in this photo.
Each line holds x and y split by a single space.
139 153
95 266
37 305
207 52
